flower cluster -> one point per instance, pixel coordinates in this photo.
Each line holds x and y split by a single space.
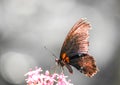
36 77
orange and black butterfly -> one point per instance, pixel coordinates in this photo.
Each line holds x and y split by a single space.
74 51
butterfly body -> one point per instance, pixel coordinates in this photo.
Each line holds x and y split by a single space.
74 51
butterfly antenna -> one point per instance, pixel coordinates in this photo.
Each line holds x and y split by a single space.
50 52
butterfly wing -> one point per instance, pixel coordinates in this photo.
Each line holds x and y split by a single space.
75 49
77 39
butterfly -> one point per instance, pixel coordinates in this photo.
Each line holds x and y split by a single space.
74 51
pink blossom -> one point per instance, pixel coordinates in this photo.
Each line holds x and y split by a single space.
36 77
62 80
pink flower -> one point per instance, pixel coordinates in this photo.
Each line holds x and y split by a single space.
36 77
62 80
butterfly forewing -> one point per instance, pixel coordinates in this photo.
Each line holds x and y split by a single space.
76 40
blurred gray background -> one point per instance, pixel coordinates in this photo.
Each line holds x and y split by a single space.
26 26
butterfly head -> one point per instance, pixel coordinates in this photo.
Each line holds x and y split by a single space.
59 62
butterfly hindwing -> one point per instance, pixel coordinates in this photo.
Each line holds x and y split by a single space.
85 64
